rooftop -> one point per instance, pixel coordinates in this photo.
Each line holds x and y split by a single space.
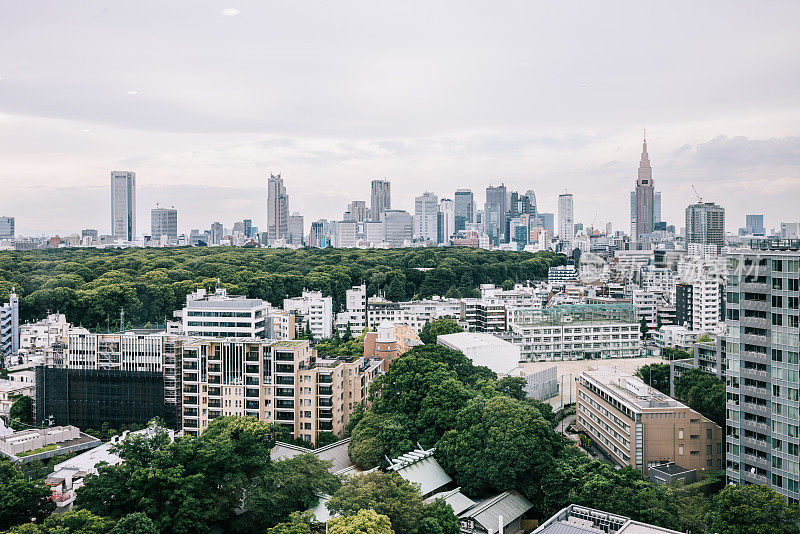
472 339
231 303
582 520
631 389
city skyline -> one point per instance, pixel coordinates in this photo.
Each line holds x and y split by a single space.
203 129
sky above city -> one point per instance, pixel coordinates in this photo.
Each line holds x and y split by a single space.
204 99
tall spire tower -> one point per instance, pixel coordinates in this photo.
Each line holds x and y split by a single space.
644 194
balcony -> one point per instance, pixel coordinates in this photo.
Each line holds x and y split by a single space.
325 391
284 380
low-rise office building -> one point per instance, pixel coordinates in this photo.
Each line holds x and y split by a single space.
636 426
576 332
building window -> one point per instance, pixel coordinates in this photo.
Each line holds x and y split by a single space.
680 450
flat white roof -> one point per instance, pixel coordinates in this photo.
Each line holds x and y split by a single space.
464 340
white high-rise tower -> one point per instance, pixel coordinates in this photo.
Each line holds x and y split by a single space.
123 205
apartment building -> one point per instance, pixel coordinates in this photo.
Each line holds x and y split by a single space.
484 315
646 305
222 315
284 382
355 314
762 372
575 332
313 309
9 327
637 426
415 314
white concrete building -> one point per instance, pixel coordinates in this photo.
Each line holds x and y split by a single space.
346 232
646 306
576 332
314 309
675 336
221 315
490 351
355 313
426 209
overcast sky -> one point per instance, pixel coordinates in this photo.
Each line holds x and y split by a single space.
203 99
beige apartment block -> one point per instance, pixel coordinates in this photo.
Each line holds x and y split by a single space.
638 426
284 382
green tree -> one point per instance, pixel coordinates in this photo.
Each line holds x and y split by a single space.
288 485
135 523
705 338
21 412
298 523
512 386
500 444
643 327
363 522
348 333
20 500
438 518
656 375
702 392
385 493
71 522
438 327
378 436
752 509
507 285
187 485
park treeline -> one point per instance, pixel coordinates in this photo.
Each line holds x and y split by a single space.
90 286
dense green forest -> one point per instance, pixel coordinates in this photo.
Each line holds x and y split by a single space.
91 285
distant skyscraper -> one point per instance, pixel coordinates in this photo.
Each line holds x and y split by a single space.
356 211
548 222
316 236
532 202
705 224
464 208
216 233
754 224
399 227
6 227
447 220
277 209
495 213
426 208
296 229
566 223
644 195
248 227
380 199
123 205
164 221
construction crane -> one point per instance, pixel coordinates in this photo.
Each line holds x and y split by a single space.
699 198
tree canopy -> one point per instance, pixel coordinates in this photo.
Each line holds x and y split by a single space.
702 392
91 285
656 375
438 327
20 500
364 522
